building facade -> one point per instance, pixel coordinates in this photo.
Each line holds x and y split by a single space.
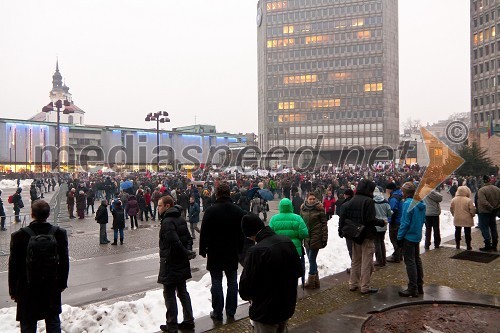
22 146
328 68
485 75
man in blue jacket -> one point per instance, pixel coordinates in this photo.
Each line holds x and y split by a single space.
396 202
409 237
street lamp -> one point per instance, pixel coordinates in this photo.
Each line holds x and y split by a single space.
159 117
57 106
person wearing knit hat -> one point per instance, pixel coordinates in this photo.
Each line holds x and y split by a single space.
251 224
269 277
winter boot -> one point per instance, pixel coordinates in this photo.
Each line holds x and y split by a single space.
316 281
468 241
487 246
457 243
311 282
114 243
494 245
121 241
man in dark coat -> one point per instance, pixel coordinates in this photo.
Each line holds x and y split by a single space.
175 252
221 239
361 209
18 204
183 200
101 216
34 301
269 278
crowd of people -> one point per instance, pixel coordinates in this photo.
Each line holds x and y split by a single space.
369 203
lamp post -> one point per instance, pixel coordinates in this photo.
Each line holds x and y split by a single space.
57 106
159 117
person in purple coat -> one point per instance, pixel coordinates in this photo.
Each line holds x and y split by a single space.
132 210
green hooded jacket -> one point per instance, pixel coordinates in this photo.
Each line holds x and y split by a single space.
286 223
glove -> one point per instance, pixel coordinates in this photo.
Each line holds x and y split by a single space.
341 235
191 255
323 244
400 243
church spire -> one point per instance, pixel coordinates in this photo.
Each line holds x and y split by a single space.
57 77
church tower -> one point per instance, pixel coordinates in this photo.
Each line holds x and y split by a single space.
61 92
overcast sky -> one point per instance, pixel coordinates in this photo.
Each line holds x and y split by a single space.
197 58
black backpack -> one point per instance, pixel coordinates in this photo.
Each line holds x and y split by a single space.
42 258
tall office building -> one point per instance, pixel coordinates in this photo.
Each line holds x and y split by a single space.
330 68
485 77
485 62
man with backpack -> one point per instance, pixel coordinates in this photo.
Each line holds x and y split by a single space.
38 270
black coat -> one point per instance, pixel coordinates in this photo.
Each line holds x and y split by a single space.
36 303
101 215
269 278
221 238
361 208
175 242
118 218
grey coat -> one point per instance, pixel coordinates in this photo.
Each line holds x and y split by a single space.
432 201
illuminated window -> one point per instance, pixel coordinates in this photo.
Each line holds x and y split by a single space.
371 87
288 29
324 103
276 5
299 79
316 39
475 39
286 105
481 37
358 22
364 34
280 42
493 32
291 118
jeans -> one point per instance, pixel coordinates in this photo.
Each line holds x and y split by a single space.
193 227
103 236
171 303
52 324
132 219
17 210
218 293
432 222
269 328
414 269
2 219
90 205
488 227
115 233
155 209
311 256
393 236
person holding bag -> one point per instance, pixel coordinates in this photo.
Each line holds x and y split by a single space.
360 210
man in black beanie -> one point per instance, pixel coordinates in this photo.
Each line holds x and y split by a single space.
270 276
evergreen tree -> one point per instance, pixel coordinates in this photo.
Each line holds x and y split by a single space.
476 162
